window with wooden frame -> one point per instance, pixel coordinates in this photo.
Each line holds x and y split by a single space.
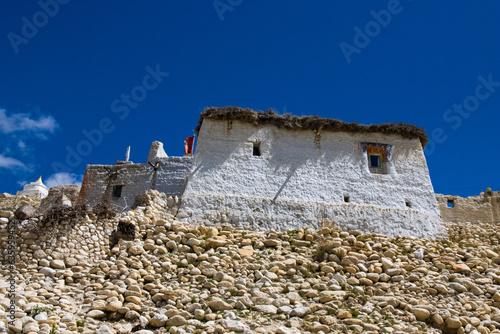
377 159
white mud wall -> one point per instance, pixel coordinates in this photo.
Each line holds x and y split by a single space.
302 178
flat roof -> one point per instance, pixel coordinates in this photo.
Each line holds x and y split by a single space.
289 122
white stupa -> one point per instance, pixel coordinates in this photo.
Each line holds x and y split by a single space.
34 189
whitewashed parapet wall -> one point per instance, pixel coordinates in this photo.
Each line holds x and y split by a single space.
302 178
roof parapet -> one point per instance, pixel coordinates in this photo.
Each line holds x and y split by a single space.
287 121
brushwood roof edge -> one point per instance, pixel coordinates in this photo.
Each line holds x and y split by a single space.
287 121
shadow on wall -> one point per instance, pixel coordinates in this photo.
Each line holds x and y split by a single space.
245 153
291 161
310 165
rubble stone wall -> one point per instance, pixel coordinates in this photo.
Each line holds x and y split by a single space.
99 181
484 208
55 195
82 238
175 277
72 241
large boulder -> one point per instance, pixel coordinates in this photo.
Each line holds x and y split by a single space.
25 212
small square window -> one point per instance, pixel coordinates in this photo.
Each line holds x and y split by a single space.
408 204
117 191
347 199
450 203
256 149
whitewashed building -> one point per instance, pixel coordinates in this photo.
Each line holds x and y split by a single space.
266 171
118 185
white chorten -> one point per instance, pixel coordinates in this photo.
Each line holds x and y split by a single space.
34 189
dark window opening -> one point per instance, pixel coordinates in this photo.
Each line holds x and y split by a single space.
408 204
117 191
347 199
256 149
375 161
450 203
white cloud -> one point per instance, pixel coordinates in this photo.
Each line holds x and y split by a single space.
18 130
24 122
21 149
63 178
11 163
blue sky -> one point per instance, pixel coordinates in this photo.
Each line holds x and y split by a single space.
126 73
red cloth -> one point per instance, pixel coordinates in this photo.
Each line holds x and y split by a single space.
189 143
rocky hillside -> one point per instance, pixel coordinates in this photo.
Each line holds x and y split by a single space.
150 273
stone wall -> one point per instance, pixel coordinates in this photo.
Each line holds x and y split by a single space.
175 277
76 238
167 176
59 195
64 243
10 202
484 208
302 177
